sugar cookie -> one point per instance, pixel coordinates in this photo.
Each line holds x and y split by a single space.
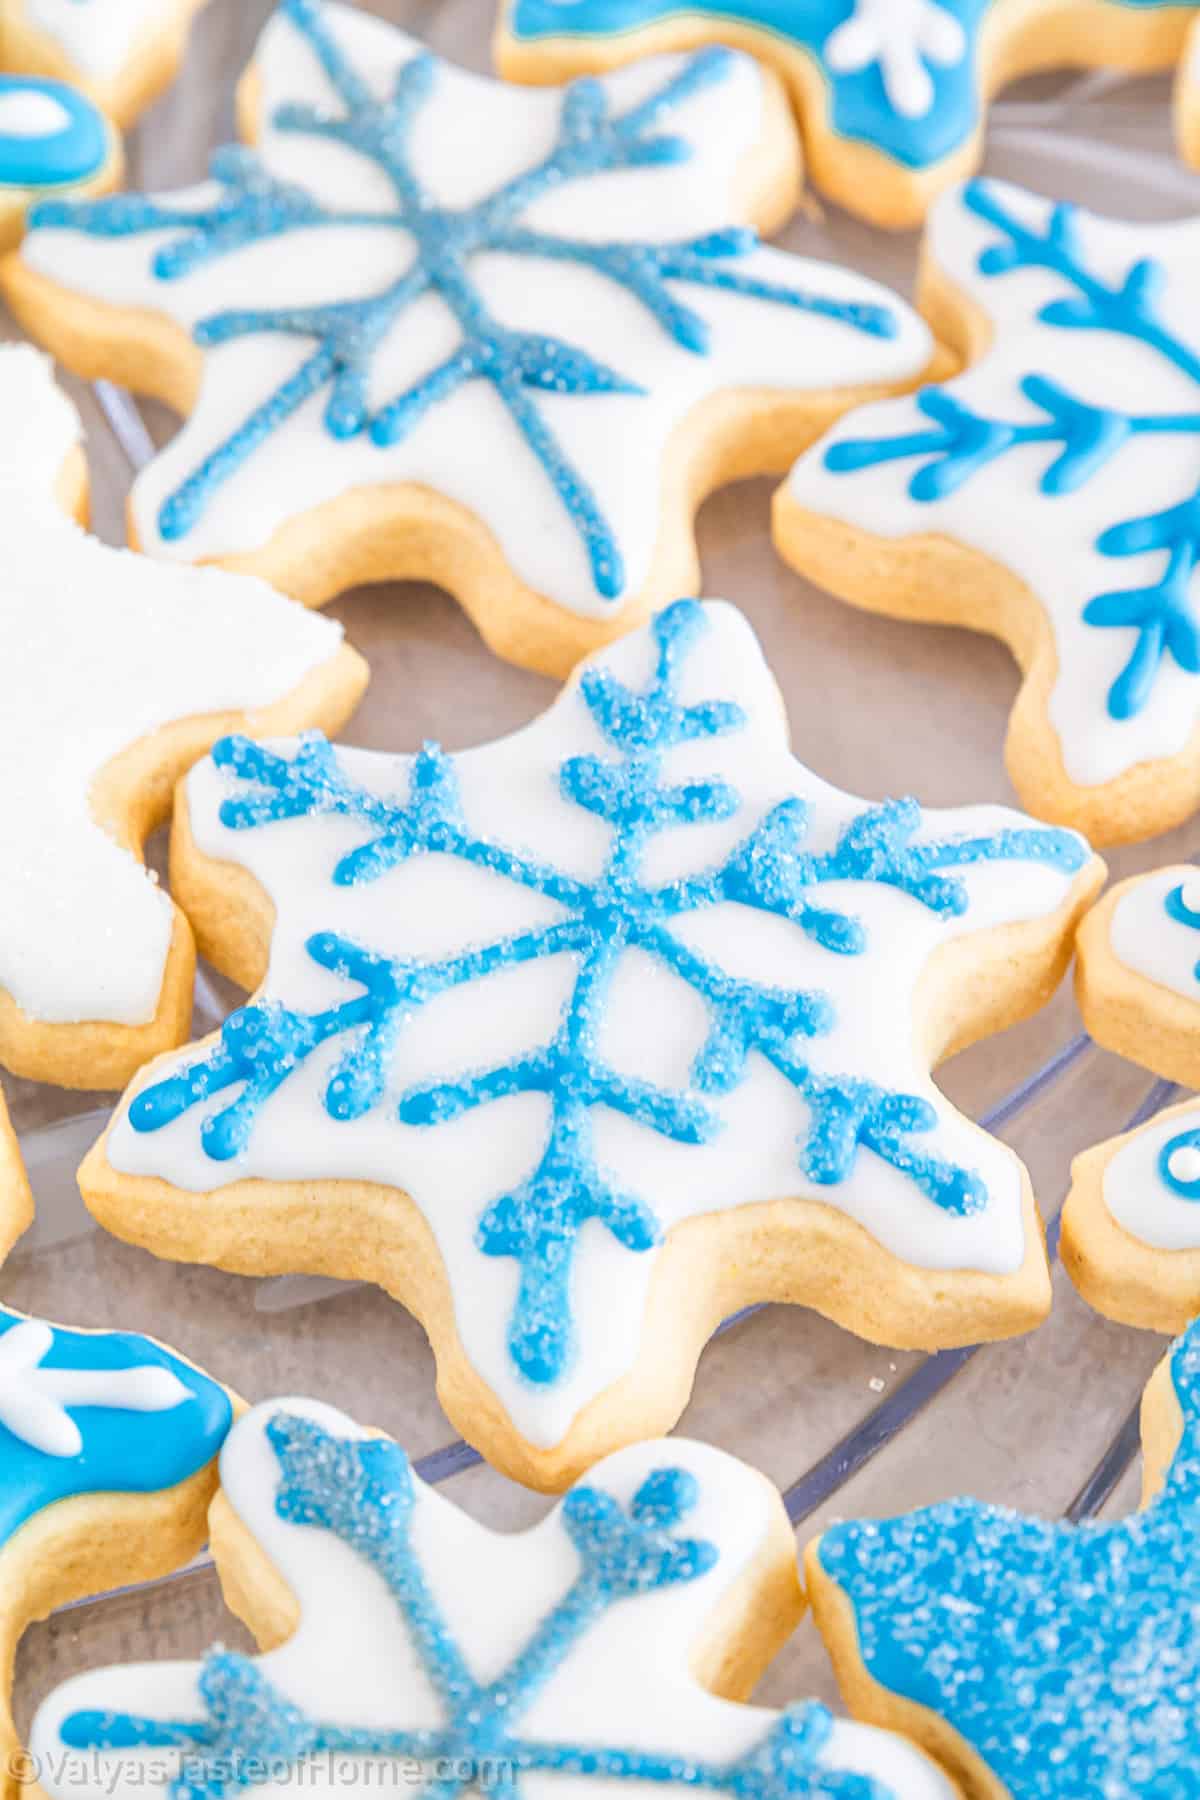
890 94
401 1640
543 1021
1137 977
1047 495
1036 1661
53 141
108 1446
438 326
115 674
122 53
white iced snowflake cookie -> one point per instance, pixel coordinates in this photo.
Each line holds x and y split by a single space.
1131 1225
115 674
1046 495
1138 975
435 325
602 1648
108 1449
890 93
578 1041
121 53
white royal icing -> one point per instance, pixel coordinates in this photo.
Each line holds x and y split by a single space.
1147 939
353 1664
896 36
431 906
98 36
1050 542
472 135
1138 1197
98 649
34 1400
31 115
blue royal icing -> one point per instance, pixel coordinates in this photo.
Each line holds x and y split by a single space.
1068 1656
254 206
538 1223
860 108
363 1494
64 153
959 442
121 1449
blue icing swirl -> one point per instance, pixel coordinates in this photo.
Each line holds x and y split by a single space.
1081 436
123 1450
1068 1656
69 152
347 334
363 1494
769 872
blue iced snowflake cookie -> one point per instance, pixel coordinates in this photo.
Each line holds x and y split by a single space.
108 1446
1063 1659
53 141
891 94
409 1643
456 328
1047 495
548 1021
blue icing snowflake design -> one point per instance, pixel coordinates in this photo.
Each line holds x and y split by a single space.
1067 1656
868 99
97 1412
364 1494
1082 436
348 335
769 872
50 134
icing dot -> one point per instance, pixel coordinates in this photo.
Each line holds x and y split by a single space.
31 114
1189 893
1184 1163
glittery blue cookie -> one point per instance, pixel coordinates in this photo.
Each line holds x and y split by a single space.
902 81
1065 1658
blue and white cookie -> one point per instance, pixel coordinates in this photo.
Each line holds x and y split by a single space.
891 95
599 1653
578 1041
1138 973
54 142
1035 1660
440 326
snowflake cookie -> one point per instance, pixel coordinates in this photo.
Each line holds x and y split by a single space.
108 1447
578 1041
623 1627
438 326
115 674
1036 1660
890 93
1047 495
122 53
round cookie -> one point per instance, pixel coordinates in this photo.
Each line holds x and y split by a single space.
513 370
579 1041
122 53
400 1640
108 1448
1035 1660
115 675
1046 495
890 95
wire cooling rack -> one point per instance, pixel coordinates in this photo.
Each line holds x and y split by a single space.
1048 1422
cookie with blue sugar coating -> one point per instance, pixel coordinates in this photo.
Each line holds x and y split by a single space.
439 326
579 1041
600 1651
891 95
1035 1660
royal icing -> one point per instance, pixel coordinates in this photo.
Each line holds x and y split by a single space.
425 1643
1155 933
1067 1656
372 295
1064 455
1151 1185
98 36
50 135
632 965
85 1412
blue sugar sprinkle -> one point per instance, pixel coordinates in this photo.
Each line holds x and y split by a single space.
769 872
